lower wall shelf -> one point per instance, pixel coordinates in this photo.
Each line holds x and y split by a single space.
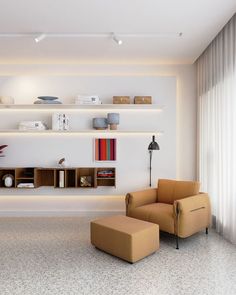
79 177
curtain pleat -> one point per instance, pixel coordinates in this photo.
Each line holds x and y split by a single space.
217 127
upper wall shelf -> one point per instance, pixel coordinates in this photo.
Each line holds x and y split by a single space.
153 107
90 131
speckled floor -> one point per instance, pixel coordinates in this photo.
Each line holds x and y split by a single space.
54 256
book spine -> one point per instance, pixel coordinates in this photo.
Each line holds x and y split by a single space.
61 179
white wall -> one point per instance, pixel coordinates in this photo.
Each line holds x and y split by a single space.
24 83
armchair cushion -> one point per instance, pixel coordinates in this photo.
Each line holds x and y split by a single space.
159 213
172 190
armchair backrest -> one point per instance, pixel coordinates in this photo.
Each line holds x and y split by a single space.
172 190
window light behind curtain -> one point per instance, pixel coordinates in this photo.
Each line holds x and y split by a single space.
217 127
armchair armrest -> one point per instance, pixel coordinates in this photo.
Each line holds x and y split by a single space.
192 214
193 203
140 198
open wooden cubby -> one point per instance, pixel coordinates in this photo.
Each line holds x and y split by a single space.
5 171
44 177
106 180
79 177
88 173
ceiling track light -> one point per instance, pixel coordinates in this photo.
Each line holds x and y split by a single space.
116 39
39 38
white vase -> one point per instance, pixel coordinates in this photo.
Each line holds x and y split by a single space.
8 181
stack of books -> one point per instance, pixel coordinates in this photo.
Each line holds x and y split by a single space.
106 174
25 185
87 100
32 126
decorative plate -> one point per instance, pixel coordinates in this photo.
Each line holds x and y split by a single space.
47 97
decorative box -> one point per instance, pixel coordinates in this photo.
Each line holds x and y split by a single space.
121 99
143 100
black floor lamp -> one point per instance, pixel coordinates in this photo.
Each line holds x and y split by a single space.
153 146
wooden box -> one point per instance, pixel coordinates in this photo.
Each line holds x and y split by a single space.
121 99
143 100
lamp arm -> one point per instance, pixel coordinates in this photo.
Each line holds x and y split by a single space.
150 168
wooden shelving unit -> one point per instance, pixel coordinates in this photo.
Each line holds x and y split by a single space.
79 177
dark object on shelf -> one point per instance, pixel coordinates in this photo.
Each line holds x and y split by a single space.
85 181
1 149
153 146
28 172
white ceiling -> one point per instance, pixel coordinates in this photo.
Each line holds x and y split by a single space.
198 20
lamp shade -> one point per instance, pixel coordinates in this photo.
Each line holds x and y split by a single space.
153 145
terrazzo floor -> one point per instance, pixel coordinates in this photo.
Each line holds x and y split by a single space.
54 256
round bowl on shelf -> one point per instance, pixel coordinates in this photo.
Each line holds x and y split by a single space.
100 123
47 102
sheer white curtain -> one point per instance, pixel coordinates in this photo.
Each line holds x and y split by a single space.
217 127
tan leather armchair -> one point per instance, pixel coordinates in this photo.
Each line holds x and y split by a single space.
176 206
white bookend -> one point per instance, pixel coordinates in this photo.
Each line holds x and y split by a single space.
55 121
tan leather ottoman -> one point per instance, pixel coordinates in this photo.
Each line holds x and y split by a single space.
125 237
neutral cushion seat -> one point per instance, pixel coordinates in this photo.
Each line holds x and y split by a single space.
159 213
127 238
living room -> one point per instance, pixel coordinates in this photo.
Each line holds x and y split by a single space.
117 164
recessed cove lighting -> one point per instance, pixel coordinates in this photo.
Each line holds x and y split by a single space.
39 38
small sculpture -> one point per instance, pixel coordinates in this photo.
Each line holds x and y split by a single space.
1 149
85 181
62 163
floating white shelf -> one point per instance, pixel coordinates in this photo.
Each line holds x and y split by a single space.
154 107
80 132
